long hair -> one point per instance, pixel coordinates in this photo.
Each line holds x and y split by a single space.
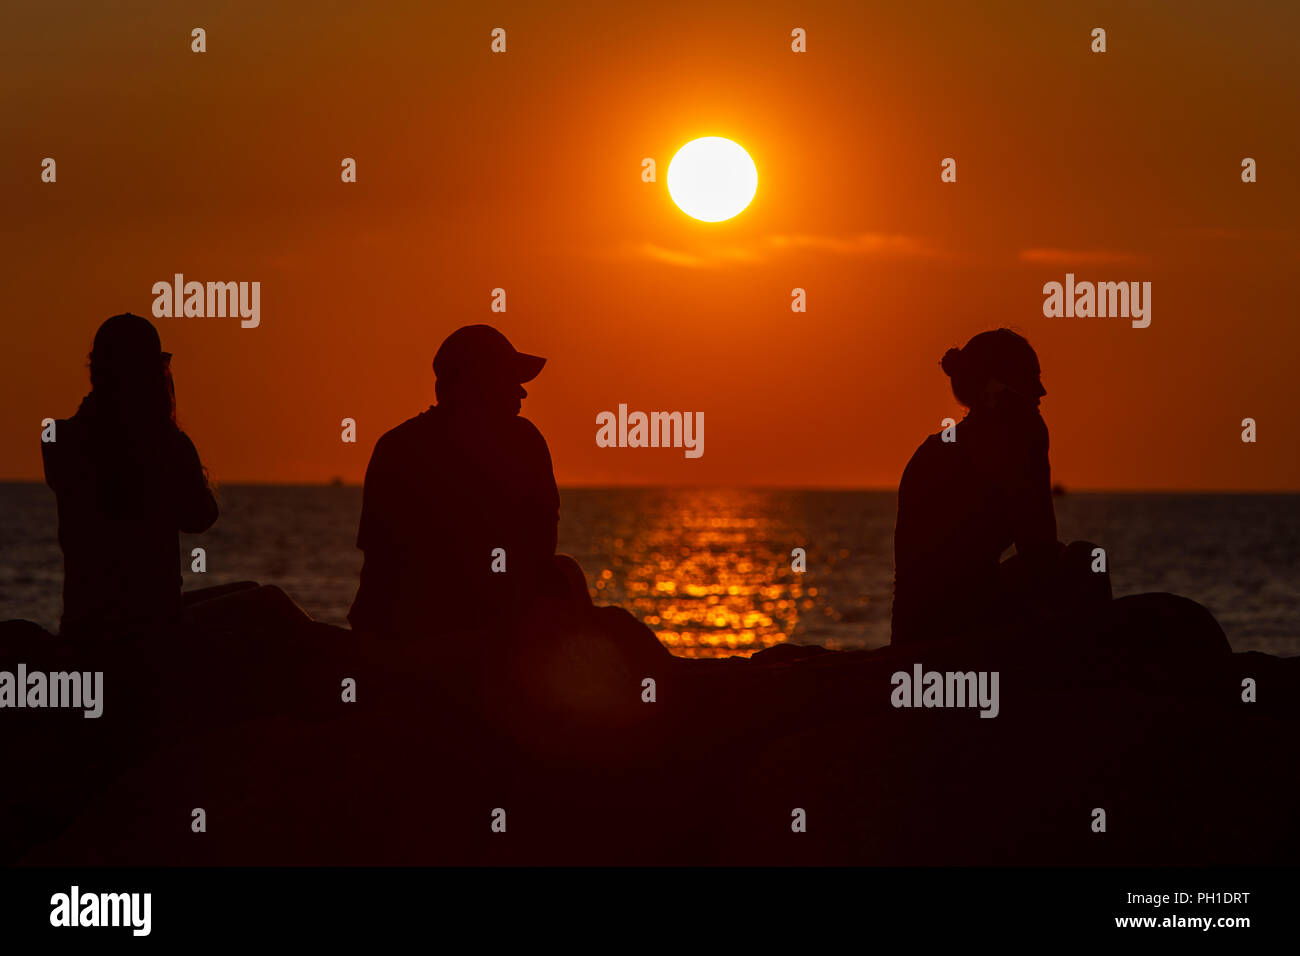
130 413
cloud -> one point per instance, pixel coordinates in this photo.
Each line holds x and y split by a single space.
863 244
671 256
769 247
1068 257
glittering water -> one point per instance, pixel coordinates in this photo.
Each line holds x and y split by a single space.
709 570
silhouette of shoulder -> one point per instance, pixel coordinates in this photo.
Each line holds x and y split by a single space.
178 490
529 435
54 455
413 428
419 429
68 458
933 457
1012 451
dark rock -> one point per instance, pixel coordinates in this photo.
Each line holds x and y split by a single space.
1140 714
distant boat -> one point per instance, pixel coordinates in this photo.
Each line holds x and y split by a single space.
336 482
1058 490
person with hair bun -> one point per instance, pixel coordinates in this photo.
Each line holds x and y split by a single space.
963 502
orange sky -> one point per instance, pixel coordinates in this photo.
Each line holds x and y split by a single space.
522 171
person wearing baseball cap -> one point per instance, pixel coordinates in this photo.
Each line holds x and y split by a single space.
481 354
460 510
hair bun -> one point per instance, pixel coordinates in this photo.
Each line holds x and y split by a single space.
951 362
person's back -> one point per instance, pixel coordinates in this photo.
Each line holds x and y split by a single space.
962 503
460 508
127 481
442 493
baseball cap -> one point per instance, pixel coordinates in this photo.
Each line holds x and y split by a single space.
480 351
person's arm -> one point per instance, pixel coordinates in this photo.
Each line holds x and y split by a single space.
539 533
52 459
373 608
1034 513
376 532
196 506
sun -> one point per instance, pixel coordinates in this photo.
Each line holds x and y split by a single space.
712 179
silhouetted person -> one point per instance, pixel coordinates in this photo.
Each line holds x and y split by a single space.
448 488
127 481
962 503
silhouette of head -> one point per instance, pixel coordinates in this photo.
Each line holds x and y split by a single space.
479 370
130 411
994 369
130 374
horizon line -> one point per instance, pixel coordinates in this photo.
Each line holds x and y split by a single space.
874 489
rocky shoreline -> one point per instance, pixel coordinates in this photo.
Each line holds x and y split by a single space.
555 739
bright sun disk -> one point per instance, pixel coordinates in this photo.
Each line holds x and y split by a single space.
712 179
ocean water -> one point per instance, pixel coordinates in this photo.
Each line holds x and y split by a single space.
709 569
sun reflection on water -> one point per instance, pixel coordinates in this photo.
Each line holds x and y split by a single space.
709 571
